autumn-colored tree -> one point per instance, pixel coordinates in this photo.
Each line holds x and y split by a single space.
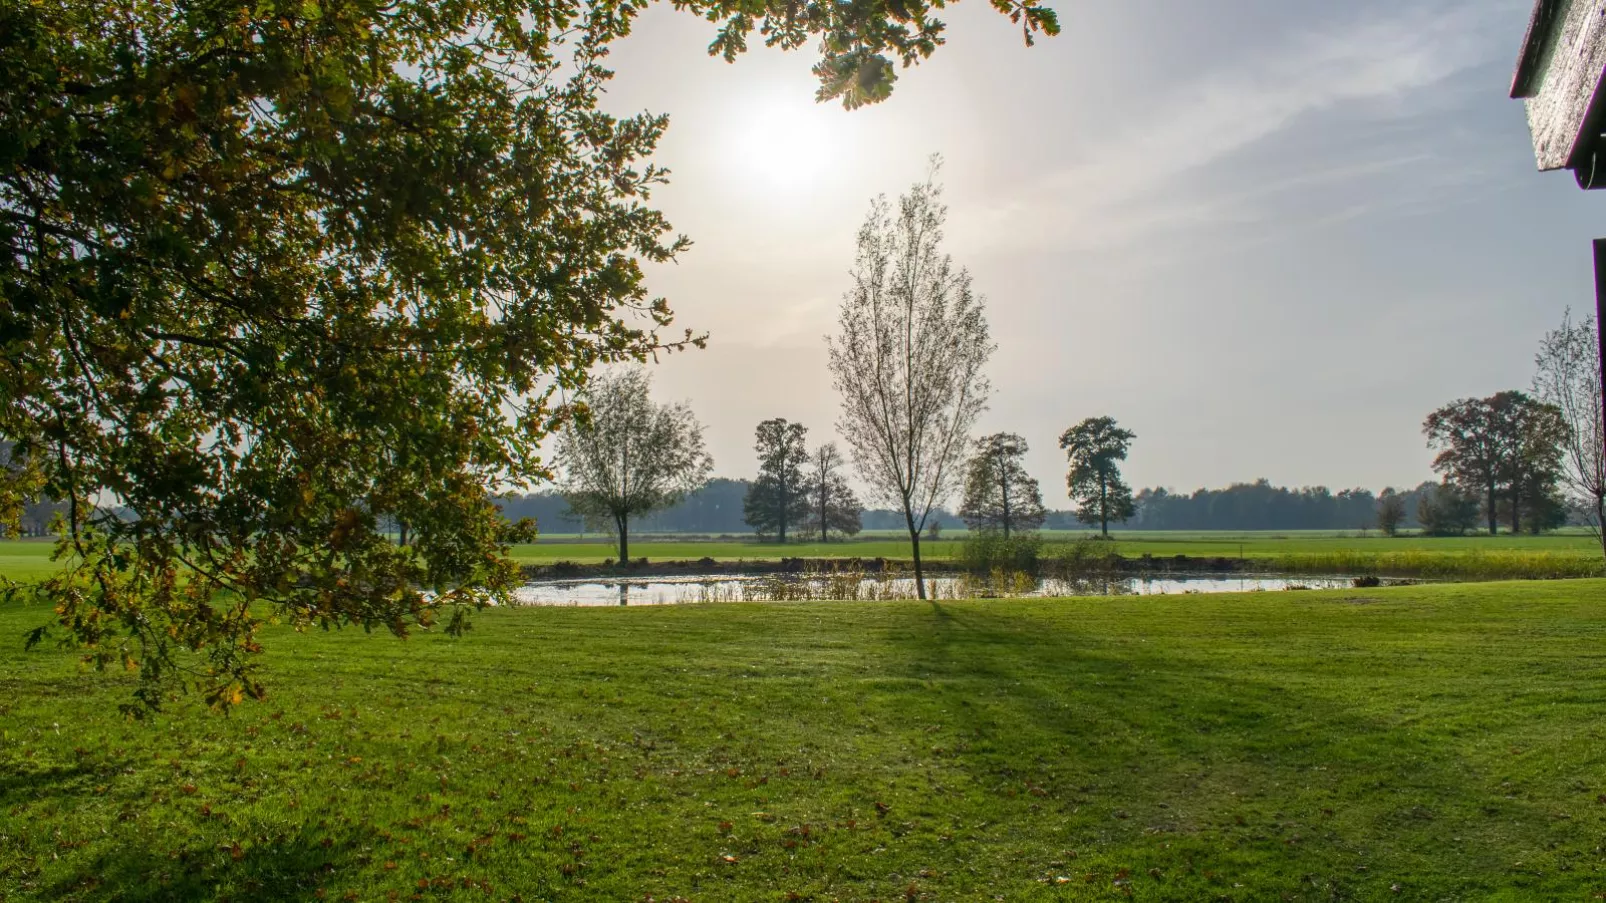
277 271
1506 447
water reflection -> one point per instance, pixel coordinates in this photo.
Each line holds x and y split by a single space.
790 587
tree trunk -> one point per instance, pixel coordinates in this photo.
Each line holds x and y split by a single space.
623 522
1516 507
1494 525
785 496
823 538
1600 337
1600 522
914 543
1104 508
1003 488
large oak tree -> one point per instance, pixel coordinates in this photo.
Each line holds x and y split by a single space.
277 272
1503 448
1095 448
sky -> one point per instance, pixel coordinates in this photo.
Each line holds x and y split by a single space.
1268 237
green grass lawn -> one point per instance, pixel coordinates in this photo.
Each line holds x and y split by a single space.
26 559
1428 742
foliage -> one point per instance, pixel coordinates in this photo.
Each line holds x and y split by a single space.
780 495
278 271
986 551
1507 447
908 360
1568 376
1444 510
616 757
833 507
1390 511
35 516
625 456
999 493
1095 447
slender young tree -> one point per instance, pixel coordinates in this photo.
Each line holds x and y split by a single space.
627 456
1096 447
832 503
908 360
1569 376
779 497
999 493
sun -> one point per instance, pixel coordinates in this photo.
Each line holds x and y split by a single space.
787 145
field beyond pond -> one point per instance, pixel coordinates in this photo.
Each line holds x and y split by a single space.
1564 554
1202 543
1567 554
1425 742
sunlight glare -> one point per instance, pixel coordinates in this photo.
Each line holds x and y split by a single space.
787 145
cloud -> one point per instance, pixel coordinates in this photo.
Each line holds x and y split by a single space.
1166 165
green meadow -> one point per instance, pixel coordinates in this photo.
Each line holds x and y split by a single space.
1425 742
1228 544
1473 557
27 559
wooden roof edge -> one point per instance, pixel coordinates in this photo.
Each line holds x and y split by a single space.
1533 46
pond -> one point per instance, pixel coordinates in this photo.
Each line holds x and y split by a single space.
678 590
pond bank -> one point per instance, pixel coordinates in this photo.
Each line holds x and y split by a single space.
570 570
1473 565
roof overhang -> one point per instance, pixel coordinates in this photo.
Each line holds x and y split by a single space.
1559 78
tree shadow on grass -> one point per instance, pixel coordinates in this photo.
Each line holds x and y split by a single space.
22 780
1060 680
1040 694
283 868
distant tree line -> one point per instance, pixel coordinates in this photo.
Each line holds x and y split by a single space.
1261 506
718 508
